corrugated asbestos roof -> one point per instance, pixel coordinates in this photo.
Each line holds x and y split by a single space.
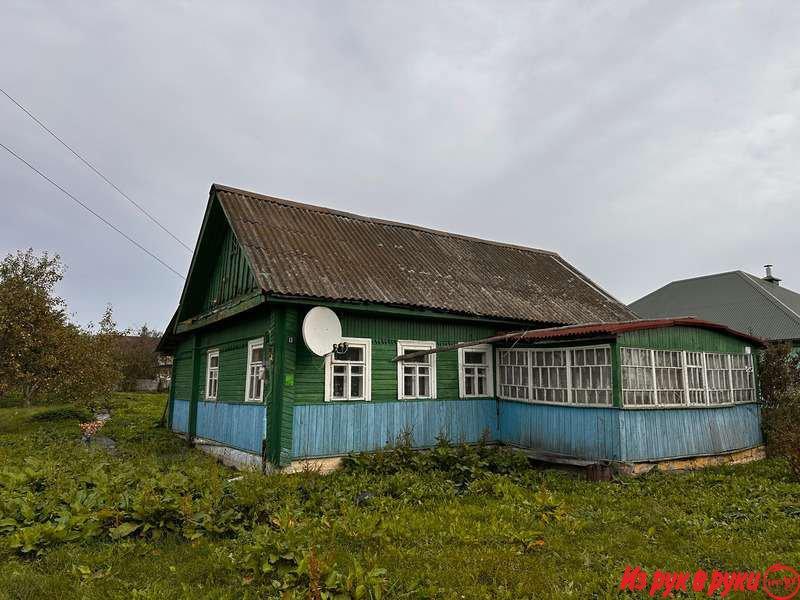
301 250
739 300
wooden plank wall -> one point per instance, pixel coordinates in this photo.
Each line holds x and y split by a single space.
577 431
180 416
236 425
672 433
338 428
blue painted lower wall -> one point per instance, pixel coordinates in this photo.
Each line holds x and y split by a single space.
237 425
180 416
338 428
678 432
573 431
630 435
592 433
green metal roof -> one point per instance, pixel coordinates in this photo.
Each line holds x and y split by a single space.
737 299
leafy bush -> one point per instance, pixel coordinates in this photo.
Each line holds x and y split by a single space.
461 464
780 389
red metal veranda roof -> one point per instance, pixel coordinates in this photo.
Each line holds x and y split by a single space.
613 329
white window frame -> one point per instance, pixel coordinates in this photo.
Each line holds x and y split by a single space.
567 366
209 355
487 349
526 368
414 345
572 389
366 343
728 370
252 345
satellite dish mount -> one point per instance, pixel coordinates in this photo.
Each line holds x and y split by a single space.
322 332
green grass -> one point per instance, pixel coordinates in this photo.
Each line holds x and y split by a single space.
444 525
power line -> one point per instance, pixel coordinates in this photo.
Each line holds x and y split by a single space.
86 207
93 168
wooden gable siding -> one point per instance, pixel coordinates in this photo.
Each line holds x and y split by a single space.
231 276
384 331
220 273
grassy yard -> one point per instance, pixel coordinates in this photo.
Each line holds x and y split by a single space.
155 519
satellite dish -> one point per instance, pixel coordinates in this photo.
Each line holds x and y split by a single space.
321 330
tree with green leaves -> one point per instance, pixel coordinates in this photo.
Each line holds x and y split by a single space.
43 356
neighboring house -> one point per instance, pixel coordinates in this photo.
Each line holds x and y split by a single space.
146 370
164 371
759 306
426 315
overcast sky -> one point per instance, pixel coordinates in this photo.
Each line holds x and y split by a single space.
644 141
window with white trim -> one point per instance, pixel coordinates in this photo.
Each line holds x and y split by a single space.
254 387
638 385
475 369
681 378
590 375
718 378
549 376
416 377
513 374
348 374
670 388
212 374
695 378
742 382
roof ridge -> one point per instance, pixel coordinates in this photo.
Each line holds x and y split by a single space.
750 279
377 221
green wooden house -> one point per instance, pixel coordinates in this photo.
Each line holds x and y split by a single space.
426 316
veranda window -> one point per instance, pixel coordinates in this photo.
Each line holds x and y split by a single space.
475 366
549 375
591 375
718 379
254 391
514 374
638 378
742 382
670 387
682 378
416 377
212 375
695 378
347 375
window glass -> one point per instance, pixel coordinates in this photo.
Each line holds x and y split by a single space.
475 371
416 376
212 375
348 373
514 374
549 376
591 376
255 371
637 377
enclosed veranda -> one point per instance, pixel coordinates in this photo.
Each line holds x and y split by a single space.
637 391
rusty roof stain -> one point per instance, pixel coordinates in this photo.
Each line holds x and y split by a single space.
306 251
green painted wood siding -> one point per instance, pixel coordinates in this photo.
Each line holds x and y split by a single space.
384 331
692 339
230 276
230 338
220 272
